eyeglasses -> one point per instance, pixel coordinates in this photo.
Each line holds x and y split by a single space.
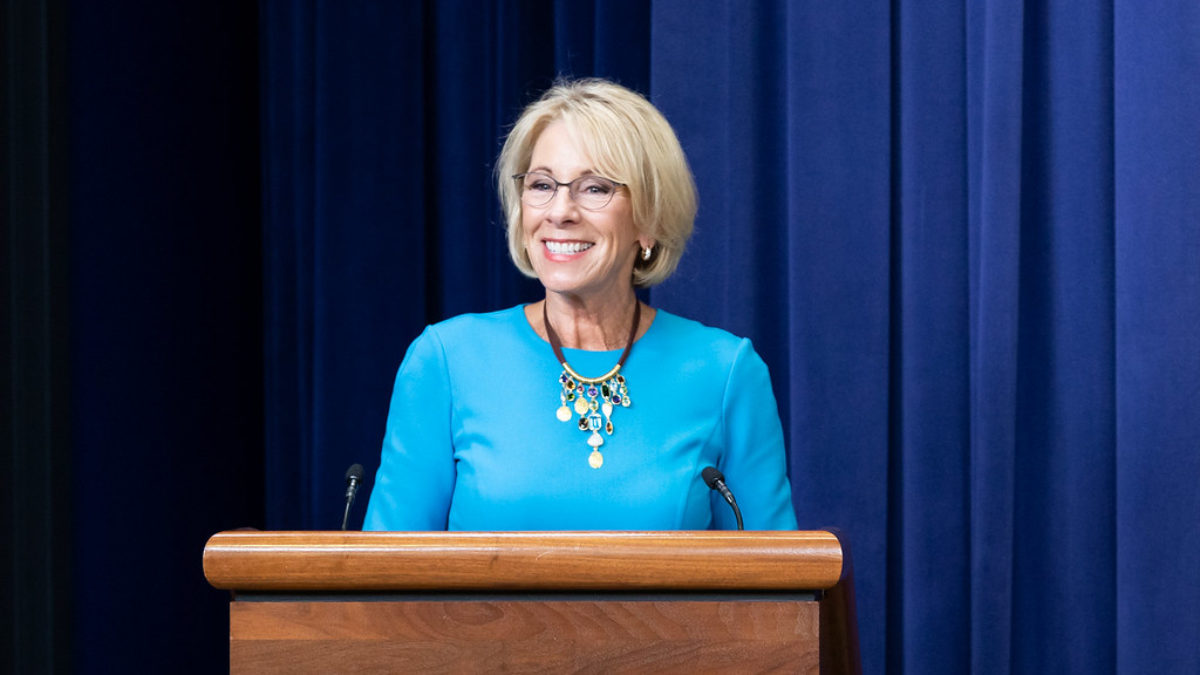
589 192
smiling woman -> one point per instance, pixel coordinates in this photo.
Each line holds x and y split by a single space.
484 429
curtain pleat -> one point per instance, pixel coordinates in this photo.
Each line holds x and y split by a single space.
964 237
929 526
994 53
1157 303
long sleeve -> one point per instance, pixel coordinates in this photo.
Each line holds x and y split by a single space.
754 461
416 476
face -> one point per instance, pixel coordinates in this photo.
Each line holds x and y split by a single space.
589 254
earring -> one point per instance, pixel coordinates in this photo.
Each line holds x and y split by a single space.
646 253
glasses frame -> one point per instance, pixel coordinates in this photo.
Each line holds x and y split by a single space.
570 189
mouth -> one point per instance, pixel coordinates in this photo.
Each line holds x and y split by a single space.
566 247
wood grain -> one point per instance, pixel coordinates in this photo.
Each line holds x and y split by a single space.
525 636
523 561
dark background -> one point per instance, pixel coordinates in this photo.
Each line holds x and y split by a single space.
135 259
964 237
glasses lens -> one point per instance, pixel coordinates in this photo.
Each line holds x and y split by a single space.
537 189
592 192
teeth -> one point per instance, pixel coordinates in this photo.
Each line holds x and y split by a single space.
567 247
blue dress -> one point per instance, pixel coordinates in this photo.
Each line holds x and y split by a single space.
473 442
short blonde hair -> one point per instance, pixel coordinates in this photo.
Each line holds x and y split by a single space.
630 142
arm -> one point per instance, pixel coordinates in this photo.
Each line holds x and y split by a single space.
415 481
754 461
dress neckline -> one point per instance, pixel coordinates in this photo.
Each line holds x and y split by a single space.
520 309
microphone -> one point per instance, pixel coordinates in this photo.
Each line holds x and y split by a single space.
354 476
716 481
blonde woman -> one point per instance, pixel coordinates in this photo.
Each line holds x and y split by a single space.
585 409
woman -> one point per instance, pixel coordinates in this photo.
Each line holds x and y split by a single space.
587 409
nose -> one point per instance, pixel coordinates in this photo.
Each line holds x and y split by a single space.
562 206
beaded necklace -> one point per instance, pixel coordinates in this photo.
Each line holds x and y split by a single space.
592 396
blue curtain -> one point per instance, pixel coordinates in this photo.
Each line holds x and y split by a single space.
164 314
964 236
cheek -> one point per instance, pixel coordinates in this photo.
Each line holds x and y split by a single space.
526 229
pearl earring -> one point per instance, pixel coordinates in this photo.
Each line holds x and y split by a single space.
646 253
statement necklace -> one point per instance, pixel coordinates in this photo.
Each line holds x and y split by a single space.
592 396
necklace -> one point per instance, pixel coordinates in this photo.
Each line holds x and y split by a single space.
592 396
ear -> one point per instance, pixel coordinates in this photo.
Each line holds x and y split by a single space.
646 242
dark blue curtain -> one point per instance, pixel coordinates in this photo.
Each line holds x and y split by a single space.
166 367
964 236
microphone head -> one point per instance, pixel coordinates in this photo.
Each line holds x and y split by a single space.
711 475
355 472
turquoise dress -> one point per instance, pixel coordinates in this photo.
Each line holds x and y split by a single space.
473 441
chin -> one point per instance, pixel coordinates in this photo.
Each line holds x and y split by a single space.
565 287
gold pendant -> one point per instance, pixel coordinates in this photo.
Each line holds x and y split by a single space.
589 401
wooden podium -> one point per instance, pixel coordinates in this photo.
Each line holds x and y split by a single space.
547 602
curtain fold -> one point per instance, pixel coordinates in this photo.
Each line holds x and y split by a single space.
994 51
1157 300
929 526
965 237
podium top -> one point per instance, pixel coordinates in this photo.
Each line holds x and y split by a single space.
247 560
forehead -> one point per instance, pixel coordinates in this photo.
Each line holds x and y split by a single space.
559 149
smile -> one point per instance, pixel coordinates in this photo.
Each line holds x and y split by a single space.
566 247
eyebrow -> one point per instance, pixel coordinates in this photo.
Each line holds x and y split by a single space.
546 170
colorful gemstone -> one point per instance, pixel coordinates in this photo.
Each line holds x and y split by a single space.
625 402
570 384
616 400
594 422
583 424
592 391
604 390
570 396
593 405
608 427
620 379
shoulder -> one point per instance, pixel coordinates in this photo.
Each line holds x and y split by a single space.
477 327
465 344
718 344
476 340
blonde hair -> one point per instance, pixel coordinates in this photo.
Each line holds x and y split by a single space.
630 142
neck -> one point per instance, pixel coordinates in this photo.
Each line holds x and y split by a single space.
596 324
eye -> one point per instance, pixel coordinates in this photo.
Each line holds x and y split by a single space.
538 184
595 186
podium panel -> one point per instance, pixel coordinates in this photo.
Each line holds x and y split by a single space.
542 635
